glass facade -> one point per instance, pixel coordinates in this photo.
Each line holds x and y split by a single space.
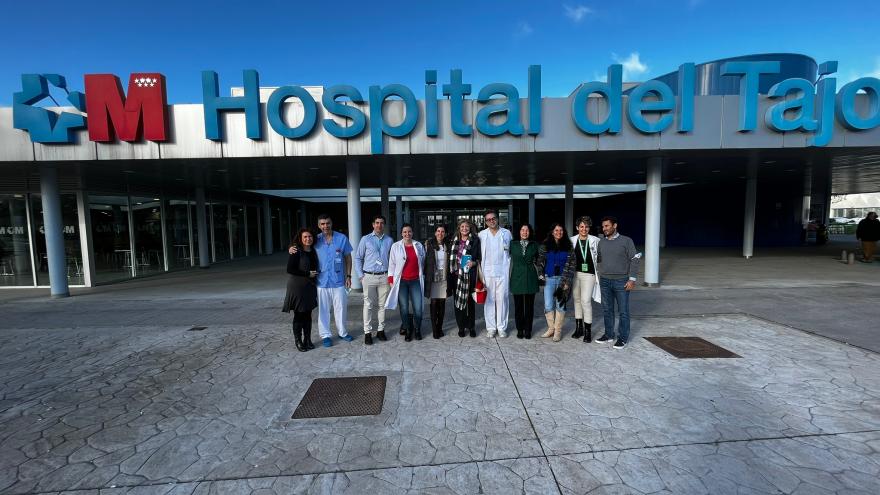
237 231
111 243
220 231
130 236
254 233
146 215
72 249
15 246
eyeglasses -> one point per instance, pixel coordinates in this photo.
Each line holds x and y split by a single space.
491 219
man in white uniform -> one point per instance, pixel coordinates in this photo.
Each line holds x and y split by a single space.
495 249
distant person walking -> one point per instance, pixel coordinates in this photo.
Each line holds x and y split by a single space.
436 273
618 262
868 232
524 280
302 292
371 268
407 282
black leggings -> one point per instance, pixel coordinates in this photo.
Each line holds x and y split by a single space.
524 311
302 316
466 318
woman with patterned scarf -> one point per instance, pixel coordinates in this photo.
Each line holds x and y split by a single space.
463 276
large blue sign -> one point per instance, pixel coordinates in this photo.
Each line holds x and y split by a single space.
803 106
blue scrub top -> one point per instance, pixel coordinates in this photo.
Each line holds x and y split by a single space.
331 259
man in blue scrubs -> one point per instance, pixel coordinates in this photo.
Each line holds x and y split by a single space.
334 277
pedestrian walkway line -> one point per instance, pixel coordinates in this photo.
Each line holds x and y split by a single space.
544 456
528 416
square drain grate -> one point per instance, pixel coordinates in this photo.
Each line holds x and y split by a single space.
339 397
690 347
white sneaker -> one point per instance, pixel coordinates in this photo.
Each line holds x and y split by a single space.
502 334
490 333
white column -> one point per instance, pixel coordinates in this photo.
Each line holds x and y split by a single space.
353 189
86 246
663 217
54 231
532 209
202 229
398 217
750 207
267 227
808 187
569 202
654 180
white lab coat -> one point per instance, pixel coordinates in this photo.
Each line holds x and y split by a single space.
594 252
395 268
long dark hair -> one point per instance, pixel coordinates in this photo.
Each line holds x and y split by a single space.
564 244
298 240
431 242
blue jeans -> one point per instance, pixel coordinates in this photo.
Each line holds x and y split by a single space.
614 291
410 293
550 303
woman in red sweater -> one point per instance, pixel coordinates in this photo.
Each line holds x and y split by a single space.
407 282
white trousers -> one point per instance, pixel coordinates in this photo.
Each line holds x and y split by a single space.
336 298
497 305
582 295
375 293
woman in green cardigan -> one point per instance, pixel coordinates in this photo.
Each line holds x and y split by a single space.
524 279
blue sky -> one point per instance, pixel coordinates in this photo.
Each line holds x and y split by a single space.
364 43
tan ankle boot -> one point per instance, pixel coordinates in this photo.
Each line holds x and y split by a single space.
550 324
557 328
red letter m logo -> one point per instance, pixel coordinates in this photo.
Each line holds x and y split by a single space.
106 104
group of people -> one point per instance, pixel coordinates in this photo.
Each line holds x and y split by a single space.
466 266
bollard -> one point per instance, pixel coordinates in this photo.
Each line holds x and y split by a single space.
851 259
843 256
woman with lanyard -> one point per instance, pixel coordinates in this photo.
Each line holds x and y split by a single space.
524 280
556 261
586 278
437 250
407 282
464 258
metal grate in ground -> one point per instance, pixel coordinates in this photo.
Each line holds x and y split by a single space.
690 347
338 397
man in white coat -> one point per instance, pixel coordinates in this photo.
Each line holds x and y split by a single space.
586 279
495 249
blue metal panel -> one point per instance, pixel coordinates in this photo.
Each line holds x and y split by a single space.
709 80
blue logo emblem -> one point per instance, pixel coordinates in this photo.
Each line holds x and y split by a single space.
43 125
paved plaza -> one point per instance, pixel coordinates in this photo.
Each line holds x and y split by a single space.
111 392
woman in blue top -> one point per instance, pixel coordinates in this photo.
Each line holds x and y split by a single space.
556 261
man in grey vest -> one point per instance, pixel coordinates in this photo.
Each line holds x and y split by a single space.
618 263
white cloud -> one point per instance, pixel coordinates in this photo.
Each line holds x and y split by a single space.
523 29
633 67
576 13
852 74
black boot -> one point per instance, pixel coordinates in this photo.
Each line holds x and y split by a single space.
588 332
307 335
298 336
417 328
578 329
462 332
528 332
435 322
409 330
519 333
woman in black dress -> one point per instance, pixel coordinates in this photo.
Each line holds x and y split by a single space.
302 293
